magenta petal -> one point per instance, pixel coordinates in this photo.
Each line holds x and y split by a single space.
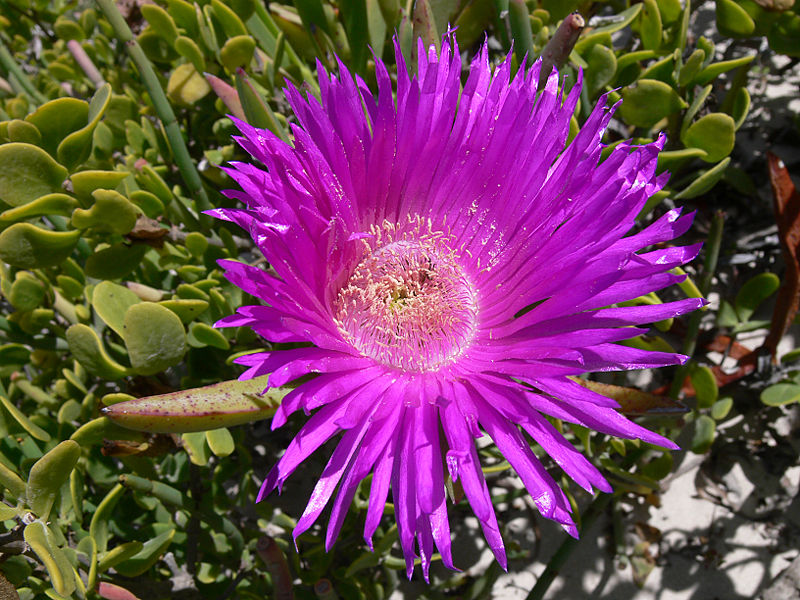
380 487
403 488
319 429
469 472
543 490
373 444
330 477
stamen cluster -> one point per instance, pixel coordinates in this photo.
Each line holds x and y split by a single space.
408 304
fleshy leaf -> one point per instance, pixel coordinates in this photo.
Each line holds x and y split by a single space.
220 405
42 541
56 119
186 85
154 337
111 301
705 386
27 172
648 101
87 348
29 247
47 476
754 291
76 147
703 432
49 204
237 52
111 211
781 394
714 133
115 261
86 182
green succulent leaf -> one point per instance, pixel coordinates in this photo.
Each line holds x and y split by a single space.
96 430
721 408
201 334
781 394
189 49
237 52
650 25
705 386
86 347
111 301
186 85
56 119
29 247
12 482
76 147
86 182
704 181
186 308
49 204
602 66
704 431
32 428
716 69
43 543
27 292
115 261
119 554
733 20
754 292
714 133
648 101
27 172
47 476
23 131
741 106
154 336
220 405
151 551
111 212
98 527
160 21
220 441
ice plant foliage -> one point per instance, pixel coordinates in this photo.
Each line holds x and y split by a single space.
447 265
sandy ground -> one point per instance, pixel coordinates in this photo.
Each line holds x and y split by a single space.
708 550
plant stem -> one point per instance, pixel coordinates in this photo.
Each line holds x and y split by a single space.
564 551
163 109
85 63
703 283
558 49
17 75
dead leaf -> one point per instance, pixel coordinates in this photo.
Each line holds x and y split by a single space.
148 231
786 203
647 532
724 344
156 445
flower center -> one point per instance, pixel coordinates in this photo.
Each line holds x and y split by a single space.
408 303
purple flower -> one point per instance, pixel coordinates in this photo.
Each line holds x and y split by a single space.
447 265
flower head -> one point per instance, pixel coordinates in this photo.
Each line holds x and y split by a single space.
449 265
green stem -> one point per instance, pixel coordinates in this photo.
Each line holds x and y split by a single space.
163 109
564 551
713 244
19 76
